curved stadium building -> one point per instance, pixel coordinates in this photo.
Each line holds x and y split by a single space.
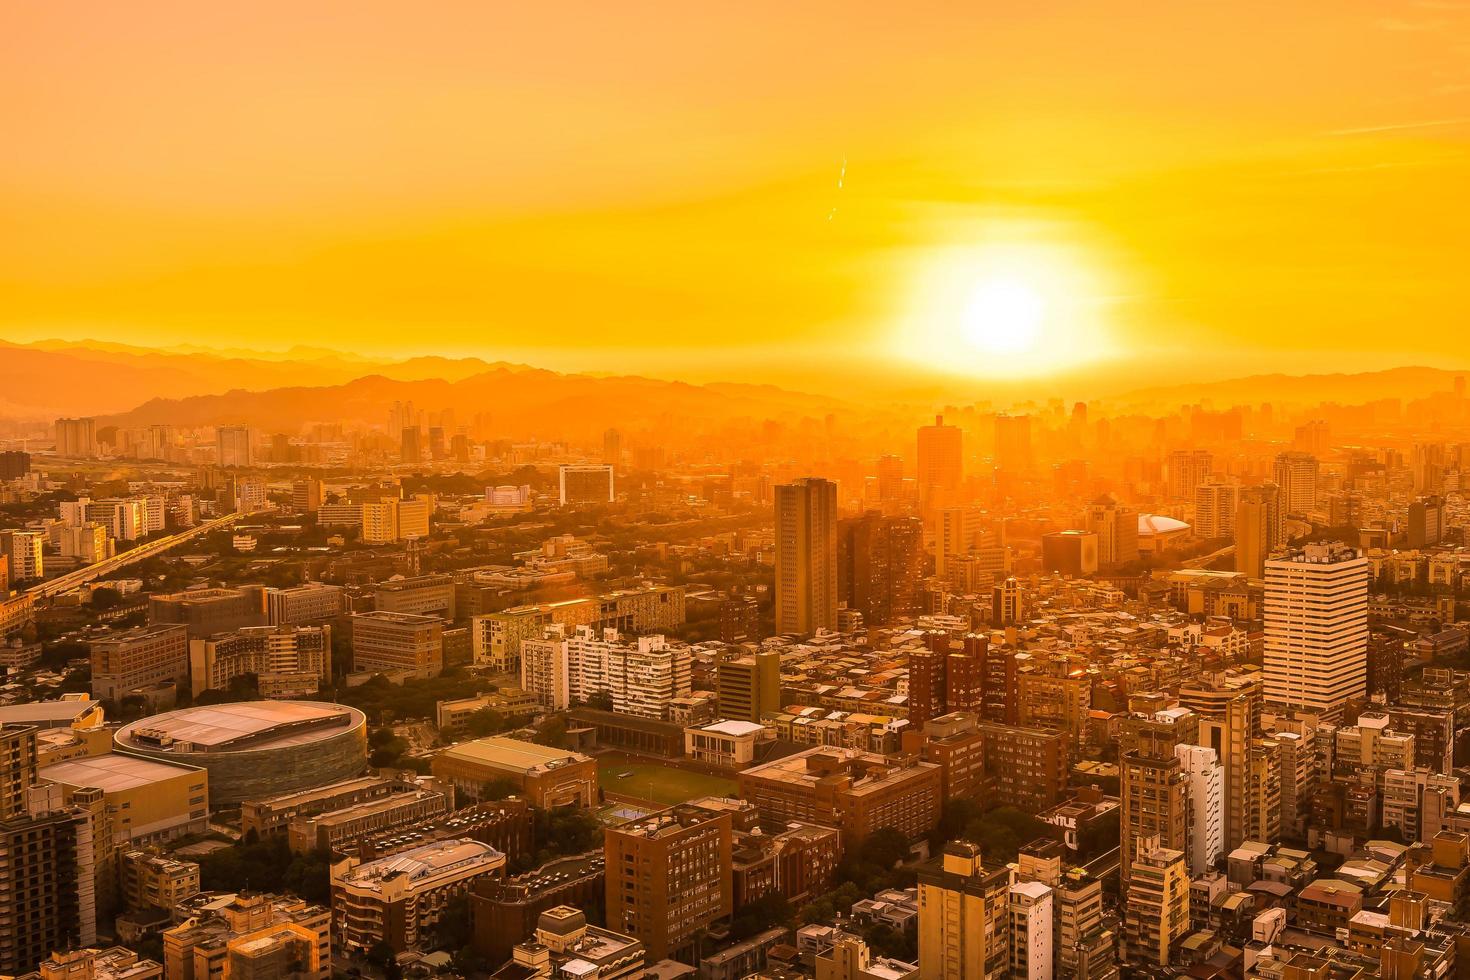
256 749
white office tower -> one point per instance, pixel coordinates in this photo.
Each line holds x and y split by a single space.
1206 781
1032 937
1317 628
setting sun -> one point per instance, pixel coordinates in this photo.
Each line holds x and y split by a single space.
1004 316
1025 297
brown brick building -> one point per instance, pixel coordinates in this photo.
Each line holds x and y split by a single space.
668 877
855 791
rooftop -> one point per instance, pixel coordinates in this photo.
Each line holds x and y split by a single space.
424 862
510 753
252 724
114 772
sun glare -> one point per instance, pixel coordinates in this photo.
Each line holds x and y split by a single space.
1026 299
1004 316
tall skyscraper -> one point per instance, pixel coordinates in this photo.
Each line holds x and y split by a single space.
890 479
1259 528
76 438
232 446
612 447
1215 502
879 565
1188 468
806 556
1013 443
1317 628
410 444
941 462
1296 475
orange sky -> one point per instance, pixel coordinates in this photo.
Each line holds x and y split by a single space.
654 186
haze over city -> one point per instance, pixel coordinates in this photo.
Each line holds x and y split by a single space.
774 491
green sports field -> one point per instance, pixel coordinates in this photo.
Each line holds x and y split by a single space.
659 784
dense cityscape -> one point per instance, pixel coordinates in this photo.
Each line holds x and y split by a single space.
1036 692
822 490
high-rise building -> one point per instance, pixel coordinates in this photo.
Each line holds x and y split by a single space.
1229 710
1008 603
1296 475
232 446
1188 468
306 495
640 675
1153 787
1116 528
1216 499
806 556
740 619
1156 913
1031 910
958 532
1259 528
54 858
14 464
1426 521
669 877
964 916
612 448
411 444
1317 628
749 686
22 551
1205 780
1013 443
941 462
76 438
879 566
586 483
890 479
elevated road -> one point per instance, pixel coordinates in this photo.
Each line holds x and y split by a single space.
71 580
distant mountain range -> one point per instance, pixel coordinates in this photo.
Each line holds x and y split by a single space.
191 386
52 378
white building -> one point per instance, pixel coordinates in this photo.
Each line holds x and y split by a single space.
23 551
1206 805
1317 628
86 542
1031 909
641 677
